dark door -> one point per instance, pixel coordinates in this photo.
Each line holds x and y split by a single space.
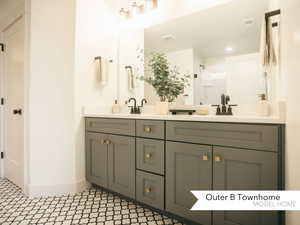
239 169
121 165
188 167
96 159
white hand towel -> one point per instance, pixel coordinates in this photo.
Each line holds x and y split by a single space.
102 69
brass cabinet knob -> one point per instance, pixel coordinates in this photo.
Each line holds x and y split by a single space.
108 142
218 158
148 190
148 155
147 129
205 157
103 142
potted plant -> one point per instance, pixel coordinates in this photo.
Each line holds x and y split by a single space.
167 82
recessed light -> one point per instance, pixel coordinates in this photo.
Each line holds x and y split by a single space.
168 37
249 21
229 49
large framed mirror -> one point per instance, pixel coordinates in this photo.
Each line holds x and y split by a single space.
220 48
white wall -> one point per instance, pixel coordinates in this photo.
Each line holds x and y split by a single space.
290 69
96 35
184 61
244 80
131 46
213 80
51 156
224 74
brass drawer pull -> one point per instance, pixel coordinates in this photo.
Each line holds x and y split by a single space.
148 155
147 129
103 142
218 158
205 157
148 190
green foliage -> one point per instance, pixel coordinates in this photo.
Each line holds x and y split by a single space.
167 82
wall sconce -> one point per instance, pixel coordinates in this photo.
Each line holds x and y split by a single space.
124 13
138 8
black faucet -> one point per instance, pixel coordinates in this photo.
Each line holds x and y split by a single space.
226 109
144 101
134 109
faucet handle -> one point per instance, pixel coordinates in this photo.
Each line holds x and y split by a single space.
229 112
131 109
218 109
227 99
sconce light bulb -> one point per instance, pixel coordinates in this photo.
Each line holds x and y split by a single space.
149 5
136 8
123 13
229 49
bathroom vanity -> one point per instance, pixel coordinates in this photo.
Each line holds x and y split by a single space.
159 161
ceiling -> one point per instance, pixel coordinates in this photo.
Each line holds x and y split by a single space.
213 30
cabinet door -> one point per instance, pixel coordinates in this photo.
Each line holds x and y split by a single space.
188 167
239 169
96 159
121 165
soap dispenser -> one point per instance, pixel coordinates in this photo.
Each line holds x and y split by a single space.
263 106
116 108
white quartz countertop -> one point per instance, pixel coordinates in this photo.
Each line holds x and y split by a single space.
208 118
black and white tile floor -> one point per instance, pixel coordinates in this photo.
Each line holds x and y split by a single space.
93 206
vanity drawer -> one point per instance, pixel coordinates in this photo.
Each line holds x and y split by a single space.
258 137
150 155
111 126
150 189
150 129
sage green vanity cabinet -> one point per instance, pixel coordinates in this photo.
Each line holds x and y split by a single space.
150 155
239 169
188 167
150 129
150 189
159 162
96 159
258 137
111 126
110 162
121 165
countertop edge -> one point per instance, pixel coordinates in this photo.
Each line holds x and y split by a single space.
195 118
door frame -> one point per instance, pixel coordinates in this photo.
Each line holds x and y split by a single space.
2 117
3 94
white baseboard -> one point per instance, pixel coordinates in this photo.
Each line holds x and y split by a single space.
33 191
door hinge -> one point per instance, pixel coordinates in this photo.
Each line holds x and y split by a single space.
2 155
2 47
2 101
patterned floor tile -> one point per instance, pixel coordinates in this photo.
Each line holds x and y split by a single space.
93 206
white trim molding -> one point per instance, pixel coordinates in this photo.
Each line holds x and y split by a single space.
33 191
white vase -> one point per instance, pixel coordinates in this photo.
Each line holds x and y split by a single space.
162 108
